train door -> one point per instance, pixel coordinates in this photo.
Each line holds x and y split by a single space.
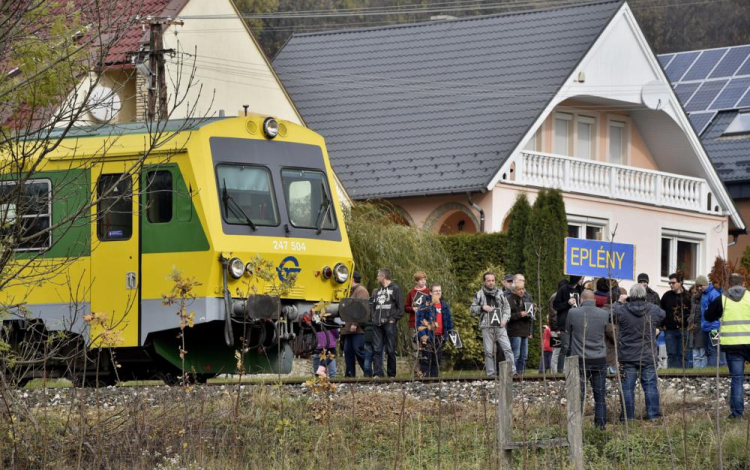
115 259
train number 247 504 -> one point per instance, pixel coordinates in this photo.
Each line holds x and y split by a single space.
286 245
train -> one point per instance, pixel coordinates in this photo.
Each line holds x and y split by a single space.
114 221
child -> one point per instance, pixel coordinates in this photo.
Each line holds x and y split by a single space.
544 361
326 342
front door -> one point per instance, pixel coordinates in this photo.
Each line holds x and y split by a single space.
114 256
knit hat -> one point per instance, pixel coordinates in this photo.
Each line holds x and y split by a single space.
643 277
356 276
701 280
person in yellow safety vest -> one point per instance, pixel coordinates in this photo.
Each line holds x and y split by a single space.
733 308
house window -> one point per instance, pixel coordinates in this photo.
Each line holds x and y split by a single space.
563 129
26 210
617 142
585 137
587 228
680 251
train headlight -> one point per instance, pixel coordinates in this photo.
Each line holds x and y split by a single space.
270 128
340 273
236 268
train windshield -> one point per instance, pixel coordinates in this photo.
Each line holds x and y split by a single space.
308 199
246 195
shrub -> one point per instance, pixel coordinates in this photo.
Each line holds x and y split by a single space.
377 241
471 254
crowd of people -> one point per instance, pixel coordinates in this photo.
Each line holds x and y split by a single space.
610 330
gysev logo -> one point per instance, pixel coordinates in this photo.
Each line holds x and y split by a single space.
285 271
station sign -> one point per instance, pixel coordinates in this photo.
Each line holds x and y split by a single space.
597 258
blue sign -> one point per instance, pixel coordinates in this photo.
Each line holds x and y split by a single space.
599 259
285 271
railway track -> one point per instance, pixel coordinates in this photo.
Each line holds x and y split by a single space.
449 379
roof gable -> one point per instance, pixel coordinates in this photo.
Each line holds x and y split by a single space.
434 108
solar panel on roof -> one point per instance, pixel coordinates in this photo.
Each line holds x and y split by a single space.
680 64
664 59
745 69
705 95
731 93
745 101
701 120
685 91
704 65
731 62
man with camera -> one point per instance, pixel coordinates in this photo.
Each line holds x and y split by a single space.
493 310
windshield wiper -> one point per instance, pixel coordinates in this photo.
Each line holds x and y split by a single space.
325 206
237 209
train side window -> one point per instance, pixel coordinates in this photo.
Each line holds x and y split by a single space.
25 210
114 210
159 196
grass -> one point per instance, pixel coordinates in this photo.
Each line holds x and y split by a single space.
265 428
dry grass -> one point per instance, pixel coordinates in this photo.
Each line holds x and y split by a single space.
354 429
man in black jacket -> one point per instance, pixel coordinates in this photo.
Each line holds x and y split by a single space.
387 308
651 295
638 321
676 304
568 296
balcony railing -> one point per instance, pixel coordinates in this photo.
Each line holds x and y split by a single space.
614 181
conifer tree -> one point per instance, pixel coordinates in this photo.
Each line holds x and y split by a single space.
519 219
545 238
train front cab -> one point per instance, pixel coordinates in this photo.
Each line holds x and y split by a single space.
258 198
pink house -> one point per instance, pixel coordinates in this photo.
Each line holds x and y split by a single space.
449 121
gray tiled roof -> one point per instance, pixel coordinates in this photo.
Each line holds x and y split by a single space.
730 154
437 107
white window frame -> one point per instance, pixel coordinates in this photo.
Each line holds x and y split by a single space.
582 222
622 124
571 132
580 118
682 236
48 214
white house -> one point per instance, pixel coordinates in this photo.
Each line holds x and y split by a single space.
451 120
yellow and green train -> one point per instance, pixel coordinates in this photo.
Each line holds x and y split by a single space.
212 198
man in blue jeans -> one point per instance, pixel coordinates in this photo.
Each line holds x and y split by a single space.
710 293
639 323
733 309
676 304
586 328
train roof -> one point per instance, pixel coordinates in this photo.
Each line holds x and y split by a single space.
104 130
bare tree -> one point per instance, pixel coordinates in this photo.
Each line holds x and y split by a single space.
56 82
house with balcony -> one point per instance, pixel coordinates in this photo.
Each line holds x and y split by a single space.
450 120
714 88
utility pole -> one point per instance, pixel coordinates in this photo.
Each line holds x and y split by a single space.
157 79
